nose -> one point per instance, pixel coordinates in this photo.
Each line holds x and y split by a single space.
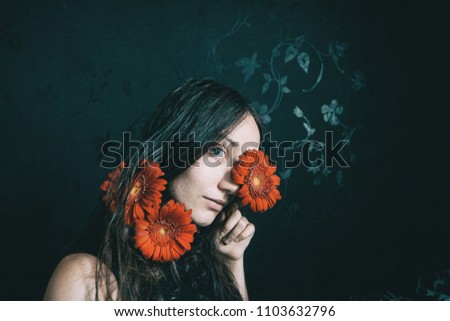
227 185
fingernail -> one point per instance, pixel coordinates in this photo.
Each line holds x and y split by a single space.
225 241
237 239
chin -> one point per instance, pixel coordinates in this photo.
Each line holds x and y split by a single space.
204 220
202 223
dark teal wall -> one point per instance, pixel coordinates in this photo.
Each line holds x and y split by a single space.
76 73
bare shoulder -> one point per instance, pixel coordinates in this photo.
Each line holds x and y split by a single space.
74 279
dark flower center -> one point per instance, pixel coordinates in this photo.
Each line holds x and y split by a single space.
163 232
258 183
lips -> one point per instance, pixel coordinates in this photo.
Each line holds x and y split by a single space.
215 203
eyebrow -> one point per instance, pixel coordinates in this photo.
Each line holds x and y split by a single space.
232 142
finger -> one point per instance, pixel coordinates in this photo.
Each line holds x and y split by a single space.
235 206
230 222
222 216
247 233
227 211
240 226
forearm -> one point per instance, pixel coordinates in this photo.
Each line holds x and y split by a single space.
237 269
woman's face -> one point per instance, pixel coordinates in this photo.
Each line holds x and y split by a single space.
206 187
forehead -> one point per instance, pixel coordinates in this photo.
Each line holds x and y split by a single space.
246 134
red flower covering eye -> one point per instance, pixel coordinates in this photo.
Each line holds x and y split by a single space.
258 181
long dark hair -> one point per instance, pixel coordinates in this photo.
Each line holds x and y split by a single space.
198 111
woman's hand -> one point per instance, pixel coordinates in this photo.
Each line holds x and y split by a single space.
234 235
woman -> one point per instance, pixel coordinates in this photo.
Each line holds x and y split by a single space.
208 126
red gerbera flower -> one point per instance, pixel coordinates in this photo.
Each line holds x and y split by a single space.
168 235
258 181
106 185
145 193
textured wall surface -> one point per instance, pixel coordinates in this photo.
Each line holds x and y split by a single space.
77 73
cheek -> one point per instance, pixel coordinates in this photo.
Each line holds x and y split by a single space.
187 188
190 188
177 189
203 178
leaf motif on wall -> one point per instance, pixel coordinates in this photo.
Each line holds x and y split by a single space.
298 112
263 109
299 41
242 62
286 174
248 65
266 119
326 171
358 80
303 61
286 90
267 77
291 52
248 72
309 130
275 53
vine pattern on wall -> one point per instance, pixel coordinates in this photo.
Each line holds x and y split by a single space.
301 56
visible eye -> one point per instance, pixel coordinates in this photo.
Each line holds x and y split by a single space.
216 151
